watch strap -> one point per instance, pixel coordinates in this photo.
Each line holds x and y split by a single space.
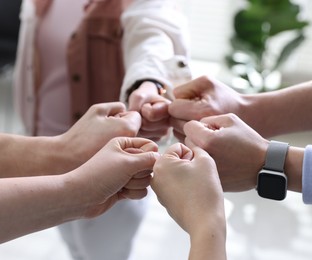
276 155
160 87
307 175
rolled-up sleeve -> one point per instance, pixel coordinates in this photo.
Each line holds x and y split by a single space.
155 43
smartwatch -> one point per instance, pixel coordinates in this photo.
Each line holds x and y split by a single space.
272 181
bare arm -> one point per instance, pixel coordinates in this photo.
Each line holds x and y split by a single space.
31 156
30 204
279 112
270 114
24 211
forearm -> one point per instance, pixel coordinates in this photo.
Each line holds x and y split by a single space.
34 203
279 112
31 156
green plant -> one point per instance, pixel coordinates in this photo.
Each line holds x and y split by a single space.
254 27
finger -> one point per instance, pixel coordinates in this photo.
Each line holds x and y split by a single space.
129 115
143 144
140 152
197 133
194 109
153 135
193 89
177 124
133 194
185 91
140 183
149 136
221 121
133 150
142 174
179 151
199 152
162 124
155 111
134 120
110 109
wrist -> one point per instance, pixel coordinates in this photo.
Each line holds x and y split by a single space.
256 164
250 113
66 156
209 223
78 198
88 199
161 90
209 241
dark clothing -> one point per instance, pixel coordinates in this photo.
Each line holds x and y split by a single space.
9 28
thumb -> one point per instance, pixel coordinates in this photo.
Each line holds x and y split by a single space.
142 153
142 162
184 92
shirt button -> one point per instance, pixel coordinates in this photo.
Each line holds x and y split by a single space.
76 77
182 64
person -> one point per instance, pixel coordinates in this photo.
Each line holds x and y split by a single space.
186 183
228 119
44 180
135 51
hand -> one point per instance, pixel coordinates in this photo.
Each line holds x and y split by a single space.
238 150
153 109
101 123
186 183
200 98
120 170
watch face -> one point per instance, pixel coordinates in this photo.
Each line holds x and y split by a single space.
272 185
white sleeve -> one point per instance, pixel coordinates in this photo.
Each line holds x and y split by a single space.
155 43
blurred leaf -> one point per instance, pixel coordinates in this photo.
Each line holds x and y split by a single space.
288 49
255 24
249 30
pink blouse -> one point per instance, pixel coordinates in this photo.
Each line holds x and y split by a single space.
53 35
